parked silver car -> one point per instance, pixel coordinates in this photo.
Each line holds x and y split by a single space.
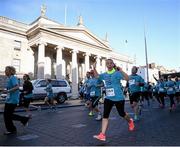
61 89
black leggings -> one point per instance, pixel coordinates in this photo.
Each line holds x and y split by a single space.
108 104
161 96
9 116
171 96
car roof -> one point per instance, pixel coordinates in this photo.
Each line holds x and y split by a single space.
51 79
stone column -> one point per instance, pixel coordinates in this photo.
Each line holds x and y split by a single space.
47 68
59 62
87 62
74 74
41 60
98 67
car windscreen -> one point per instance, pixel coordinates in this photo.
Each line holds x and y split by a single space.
34 82
56 83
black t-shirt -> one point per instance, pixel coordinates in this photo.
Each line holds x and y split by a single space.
28 87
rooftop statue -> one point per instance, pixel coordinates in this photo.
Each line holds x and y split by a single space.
43 10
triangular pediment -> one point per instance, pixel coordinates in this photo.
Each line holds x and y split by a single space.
81 34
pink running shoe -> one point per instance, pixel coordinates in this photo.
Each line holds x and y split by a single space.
131 125
173 106
101 137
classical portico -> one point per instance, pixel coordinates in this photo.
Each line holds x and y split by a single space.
56 61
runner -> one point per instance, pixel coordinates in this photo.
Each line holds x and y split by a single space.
177 87
87 88
146 93
135 82
95 94
12 100
49 99
114 96
155 93
26 93
161 92
170 85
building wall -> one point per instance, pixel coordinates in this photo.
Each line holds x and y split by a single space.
143 73
9 55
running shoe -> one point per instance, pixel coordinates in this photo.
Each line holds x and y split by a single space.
25 121
173 106
136 118
90 113
9 133
99 117
131 125
101 137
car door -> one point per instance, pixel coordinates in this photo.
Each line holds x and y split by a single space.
39 89
55 86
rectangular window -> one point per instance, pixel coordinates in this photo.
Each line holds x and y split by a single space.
56 83
16 63
17 45
42 83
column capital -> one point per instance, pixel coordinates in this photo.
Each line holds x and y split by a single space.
41 43
59 47
98 57
74 51
86 54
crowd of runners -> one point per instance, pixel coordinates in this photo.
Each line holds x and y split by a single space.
108 86
98 90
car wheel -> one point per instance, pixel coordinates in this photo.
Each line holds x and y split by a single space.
61 98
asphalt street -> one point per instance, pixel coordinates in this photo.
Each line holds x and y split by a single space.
71 126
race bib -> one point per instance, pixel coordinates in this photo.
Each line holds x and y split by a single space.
170 89
132 82
110 92
177 89
161 89
92 93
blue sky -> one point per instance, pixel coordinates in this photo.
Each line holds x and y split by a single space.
121 19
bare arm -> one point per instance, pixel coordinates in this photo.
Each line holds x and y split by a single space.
12 89
96 74
126 77
155 78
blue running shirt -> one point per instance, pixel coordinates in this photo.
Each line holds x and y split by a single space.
87 86
95 90
177 86
49 91
112 85
12 97
170 87
133 80
161 87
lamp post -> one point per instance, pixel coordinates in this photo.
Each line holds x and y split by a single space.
146 55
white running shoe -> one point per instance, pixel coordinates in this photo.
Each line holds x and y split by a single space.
99 117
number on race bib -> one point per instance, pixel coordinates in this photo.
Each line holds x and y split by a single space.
161 89
170 89
110 92
132 82
92 93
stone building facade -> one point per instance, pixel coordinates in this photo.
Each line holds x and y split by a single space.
47 49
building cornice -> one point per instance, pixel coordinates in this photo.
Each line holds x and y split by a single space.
13 22
12 31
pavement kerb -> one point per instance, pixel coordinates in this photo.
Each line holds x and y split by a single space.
39 108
